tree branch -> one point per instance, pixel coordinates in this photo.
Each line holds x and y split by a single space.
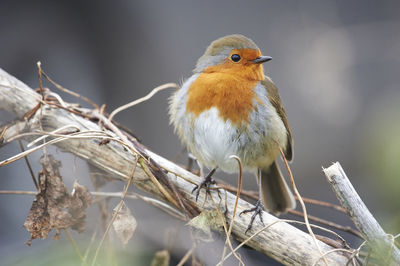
280 241
370 229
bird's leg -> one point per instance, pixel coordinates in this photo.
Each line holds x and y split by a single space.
207 182
258 208
191 160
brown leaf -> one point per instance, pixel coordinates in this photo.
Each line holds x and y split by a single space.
80 200
204 223
54 206
124 224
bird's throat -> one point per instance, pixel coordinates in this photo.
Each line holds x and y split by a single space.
232 95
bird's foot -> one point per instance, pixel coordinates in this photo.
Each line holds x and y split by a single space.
257 210
207 182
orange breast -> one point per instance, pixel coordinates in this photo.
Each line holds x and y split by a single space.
230 91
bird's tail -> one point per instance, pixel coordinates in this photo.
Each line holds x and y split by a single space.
276 195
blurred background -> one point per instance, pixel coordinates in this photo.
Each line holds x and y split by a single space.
336 64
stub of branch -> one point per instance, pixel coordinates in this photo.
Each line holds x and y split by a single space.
281 241
365 222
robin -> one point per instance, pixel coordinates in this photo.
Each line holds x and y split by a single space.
229 107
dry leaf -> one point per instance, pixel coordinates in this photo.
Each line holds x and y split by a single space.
161 258
79 201
54 206
206 221
124 224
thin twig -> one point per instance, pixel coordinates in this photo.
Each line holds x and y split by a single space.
92 239
226 230
251 237
303 206
116 130
2 133
186 257
145 98
323 203
25 153
159 204
179 175
29 166
77 135
58 86
39 64
239 189
47 134
254 195
65 107
357 252
115 213
187 208
160 187
246 193
75 246
71 136
271 224
347 229
18 192
331 251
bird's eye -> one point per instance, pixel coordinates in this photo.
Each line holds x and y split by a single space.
235 58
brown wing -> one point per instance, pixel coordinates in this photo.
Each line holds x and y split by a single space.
275 99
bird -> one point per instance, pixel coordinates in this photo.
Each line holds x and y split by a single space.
230 107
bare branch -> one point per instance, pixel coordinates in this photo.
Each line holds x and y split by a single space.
365 222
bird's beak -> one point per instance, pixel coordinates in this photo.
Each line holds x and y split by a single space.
261 59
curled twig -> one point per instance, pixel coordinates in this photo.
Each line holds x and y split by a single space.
239 189
303 206
145 98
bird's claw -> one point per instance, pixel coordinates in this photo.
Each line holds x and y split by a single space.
257 210
207 182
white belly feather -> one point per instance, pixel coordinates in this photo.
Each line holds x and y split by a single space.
213 140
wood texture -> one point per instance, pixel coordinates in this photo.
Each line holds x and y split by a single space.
281 241
361 216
